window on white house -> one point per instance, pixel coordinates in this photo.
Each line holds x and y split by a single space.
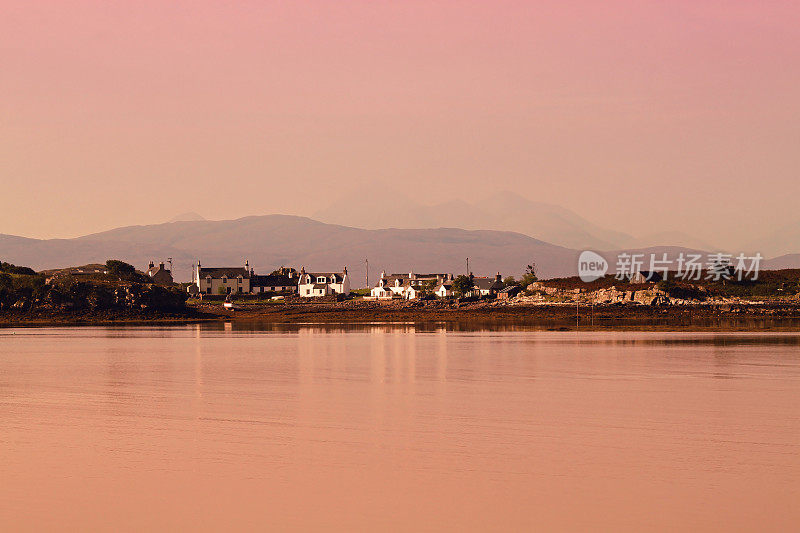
224 280
321 279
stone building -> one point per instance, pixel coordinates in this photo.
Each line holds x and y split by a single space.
222 280
159 275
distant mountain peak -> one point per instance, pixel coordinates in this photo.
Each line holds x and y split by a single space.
190 216
509 196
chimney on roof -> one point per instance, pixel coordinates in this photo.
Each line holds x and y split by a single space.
151 264
344 271
498 277
471 276
246 265
161 265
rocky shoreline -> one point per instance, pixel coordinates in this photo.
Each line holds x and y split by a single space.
517 312
495 312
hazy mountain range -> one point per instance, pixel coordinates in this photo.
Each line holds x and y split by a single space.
273 240
504 211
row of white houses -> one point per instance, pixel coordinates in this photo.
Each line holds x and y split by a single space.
238 280
411 286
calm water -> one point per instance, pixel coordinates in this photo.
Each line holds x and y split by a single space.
392 428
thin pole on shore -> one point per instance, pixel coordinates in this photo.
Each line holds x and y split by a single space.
367 277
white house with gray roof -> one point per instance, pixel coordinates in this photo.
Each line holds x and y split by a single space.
316 284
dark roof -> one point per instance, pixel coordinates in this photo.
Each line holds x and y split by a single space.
511 288
335 275
218 272
430 276
486 283
271 280
153 270
320 286
405 281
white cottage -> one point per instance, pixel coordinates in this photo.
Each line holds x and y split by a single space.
382 292
316 284
444 289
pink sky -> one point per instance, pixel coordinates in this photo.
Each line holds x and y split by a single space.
644 116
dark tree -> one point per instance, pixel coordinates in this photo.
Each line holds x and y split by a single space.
121 269
428 287
462 285
14 269
529 276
